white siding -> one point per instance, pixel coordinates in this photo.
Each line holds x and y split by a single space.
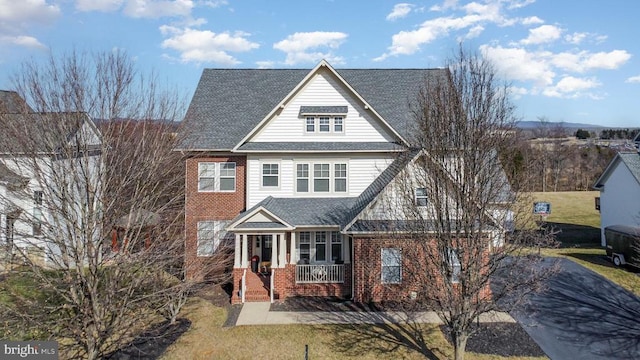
323 90
619 201
361 171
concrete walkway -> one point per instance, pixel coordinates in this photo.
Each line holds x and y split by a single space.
257 313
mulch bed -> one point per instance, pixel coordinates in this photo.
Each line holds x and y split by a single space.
303 304
503 339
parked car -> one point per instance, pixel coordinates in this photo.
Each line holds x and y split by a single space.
623 244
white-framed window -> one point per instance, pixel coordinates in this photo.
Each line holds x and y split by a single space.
421 197
302 177
391 265
336 246
304 246
321 246
210 235
228 176
453 261
338 124
340 178
270 175
217 177
310 124
324 124
207 176
321 177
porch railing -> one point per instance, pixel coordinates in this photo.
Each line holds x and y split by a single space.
319 274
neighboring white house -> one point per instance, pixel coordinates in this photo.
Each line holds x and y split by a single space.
619 187
46 160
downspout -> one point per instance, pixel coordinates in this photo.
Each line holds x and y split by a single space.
353 268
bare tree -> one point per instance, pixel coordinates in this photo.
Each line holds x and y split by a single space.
457 204
98 217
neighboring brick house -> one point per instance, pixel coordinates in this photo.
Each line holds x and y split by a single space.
288 166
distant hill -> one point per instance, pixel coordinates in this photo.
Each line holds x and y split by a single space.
567 125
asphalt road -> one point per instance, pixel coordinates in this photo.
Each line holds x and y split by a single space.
583 316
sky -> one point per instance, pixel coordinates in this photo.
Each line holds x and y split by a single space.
569 60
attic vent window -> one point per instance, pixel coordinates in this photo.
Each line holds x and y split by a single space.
323 119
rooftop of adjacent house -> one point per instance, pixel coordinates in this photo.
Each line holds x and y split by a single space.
9 177
631 160
229 103
12 103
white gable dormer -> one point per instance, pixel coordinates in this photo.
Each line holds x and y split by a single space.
323 108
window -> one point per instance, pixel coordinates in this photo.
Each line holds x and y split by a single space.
210 235
311 124
213 176
324 124
207 177
340 178
336 246
227 176
321 246
321 177
302 178
453 262
37 222
391 266
304 244
37 197
270 175
421 197
338 124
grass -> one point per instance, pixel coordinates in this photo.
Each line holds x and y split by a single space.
207 339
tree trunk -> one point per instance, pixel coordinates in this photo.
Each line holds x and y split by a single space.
459 345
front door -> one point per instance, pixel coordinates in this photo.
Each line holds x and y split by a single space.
266 243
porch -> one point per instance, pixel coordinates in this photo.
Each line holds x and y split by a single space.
274 266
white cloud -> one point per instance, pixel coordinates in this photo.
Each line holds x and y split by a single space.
542 34
266 64
302 47
572 87
519 64
99 5
531 20
585 61
516 4
633 79
22 40
158 8
399 11
213 3
204 46
19 14
475 32
448 4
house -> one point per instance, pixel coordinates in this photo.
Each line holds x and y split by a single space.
288 166
619 187
35 153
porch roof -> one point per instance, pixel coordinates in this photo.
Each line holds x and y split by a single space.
299 212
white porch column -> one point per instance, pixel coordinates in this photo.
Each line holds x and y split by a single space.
245 251
293 257
274 250
283 250
237 250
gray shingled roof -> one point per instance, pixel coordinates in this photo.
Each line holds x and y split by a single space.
229 103
306 211
632 160
313 110
9 177
12 103
320 146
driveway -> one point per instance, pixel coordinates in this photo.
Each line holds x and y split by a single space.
583 316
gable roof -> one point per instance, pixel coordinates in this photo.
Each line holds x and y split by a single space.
12 103
229 104
630 160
